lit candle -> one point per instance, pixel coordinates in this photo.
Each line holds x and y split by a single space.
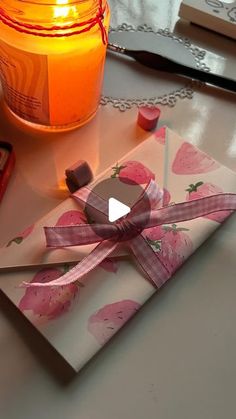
52 59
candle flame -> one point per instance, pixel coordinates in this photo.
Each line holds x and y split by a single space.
63 10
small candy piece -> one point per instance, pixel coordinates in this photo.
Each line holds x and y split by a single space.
148 117
78 175
71 186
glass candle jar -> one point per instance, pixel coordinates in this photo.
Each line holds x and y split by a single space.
52 55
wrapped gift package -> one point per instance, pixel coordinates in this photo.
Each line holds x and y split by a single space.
79 318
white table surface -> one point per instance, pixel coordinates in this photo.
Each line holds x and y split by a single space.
176 359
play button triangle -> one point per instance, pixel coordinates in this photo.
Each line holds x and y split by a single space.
116 210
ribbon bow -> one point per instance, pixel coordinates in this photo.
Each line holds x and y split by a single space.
129 230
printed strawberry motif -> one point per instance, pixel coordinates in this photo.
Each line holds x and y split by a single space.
166 197
21 236
133 173
160 135
109 265
71 217
201 189
109 319
190 161
52 302
173 245
154 235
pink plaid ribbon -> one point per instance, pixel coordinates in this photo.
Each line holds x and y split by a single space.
109 236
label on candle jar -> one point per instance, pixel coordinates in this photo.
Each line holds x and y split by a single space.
24 77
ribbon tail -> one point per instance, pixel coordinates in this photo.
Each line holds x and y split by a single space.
82 268
75 235
149 261
190 210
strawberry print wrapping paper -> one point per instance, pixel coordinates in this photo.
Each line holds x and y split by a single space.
79 318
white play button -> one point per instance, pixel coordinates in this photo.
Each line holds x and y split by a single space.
116 210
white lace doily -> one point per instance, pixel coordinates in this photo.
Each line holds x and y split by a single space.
128 83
